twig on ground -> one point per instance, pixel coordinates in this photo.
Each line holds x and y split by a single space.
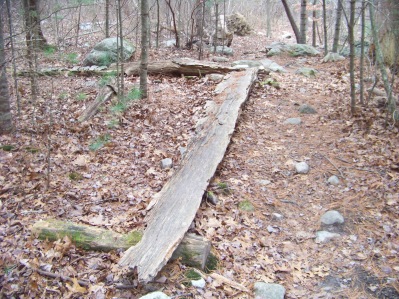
62 277
340 172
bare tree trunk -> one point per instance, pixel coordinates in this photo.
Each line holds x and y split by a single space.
325 28
351 26
337 27
215 38
144 48
122 58
106 18
78 26
14 66
362 52
292 21
304 20
5 109
158 26
268 19
380 63
32 21
314 24
175 29
201 51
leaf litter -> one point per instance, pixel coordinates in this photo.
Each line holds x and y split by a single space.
114 184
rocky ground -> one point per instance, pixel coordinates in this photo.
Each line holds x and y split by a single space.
267 222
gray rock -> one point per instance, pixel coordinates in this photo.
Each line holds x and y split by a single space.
307 72
215 77
277 216
248 63
264 182
269 291
182 150
220 59
278 48
302 167
223 50
200 283
332 57
211 198
325 236
170 43
293 121
271 65
166 163
106 52
332 217
307 109
155 295
333 180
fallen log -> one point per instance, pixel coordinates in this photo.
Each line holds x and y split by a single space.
175 206
193 251
180 66
105 93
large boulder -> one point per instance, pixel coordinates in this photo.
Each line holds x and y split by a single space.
106 52
278 48
237 24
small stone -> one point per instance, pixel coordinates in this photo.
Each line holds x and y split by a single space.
200 283
332 217
269 291
264 182
182 150
293 121
277 216
166 163
325 236
211 198
215 77
155 295
220 59
333 180
306 109
302 167
271 229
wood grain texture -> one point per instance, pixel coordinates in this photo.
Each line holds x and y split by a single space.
174 208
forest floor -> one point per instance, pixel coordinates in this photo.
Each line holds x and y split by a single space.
105 171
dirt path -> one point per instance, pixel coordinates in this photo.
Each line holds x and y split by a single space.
260 247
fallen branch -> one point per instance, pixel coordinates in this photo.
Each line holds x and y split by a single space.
341 174
61 277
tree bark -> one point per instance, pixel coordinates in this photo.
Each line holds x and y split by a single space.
174 208
304 20
380 63
5 109
292 21
193 250
325 28
34 33
337 27
351 27
314 24
106 18
145 30
179 66
363 13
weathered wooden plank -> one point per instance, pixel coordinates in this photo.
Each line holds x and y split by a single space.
177 203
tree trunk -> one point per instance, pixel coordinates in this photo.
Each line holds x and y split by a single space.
268 19
362 52
5 109
304 20
325 28
337 27
175 29
292 21
144 47
314 24
351 27
380 63
34 34
106 18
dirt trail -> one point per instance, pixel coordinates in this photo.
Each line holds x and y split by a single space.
257 246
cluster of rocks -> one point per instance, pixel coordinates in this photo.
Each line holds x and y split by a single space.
262 290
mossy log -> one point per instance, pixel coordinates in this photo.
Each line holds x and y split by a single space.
193 251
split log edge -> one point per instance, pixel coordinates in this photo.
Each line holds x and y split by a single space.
193 251
177 203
